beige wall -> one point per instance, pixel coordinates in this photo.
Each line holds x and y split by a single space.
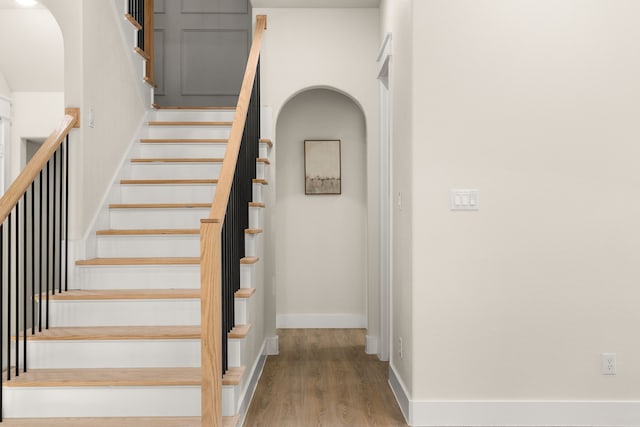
534 103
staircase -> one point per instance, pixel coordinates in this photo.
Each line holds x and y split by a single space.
124 345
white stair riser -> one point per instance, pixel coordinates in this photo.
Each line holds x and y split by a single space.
157 218
261 170
255 217
201 132
53 402
112 354
166 170
230 400
247 275
129 312
181 150
264 150
185 193
236 349
258 193
251 244
192 115
149 246
139 277
242 311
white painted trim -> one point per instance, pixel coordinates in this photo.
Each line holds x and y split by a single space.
513 413
339 321
385 265
256 372
273 346
400 392
370 344
525 413
266 122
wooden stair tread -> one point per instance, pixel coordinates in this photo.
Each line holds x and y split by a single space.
263 160
266 141
240 331
261 181
249 260
133 21
167 181
113 422
126 294
104 333
177 160
146 232
244 293
112 377
188 107
141 261
253 231
256 205
182 141
190 123
233 376
158 205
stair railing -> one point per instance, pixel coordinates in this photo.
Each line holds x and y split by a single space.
34 229
140 14
222 234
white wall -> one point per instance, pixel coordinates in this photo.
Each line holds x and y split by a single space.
321 240
534 103
337 48
98 76
5 90
34 115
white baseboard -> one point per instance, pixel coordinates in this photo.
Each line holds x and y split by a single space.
272 347
256 372
370 344
515 413
321 321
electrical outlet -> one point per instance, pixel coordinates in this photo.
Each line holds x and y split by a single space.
400 351
609 364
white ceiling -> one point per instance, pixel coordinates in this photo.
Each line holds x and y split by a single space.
317 3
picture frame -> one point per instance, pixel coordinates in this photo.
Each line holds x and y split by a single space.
322 166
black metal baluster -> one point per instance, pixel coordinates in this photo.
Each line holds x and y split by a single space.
46 246
66 212
53 224
9 279
40 248
17 297
25 283
58 181
33 258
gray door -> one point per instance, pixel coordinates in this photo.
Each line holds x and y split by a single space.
201 49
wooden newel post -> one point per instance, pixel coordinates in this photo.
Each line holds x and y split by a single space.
211 321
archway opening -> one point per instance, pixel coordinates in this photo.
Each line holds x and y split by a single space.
321 240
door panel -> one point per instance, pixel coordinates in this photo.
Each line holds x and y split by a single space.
201 49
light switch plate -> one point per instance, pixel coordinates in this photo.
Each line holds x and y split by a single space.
465 200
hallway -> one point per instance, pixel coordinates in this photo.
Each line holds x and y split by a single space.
322 377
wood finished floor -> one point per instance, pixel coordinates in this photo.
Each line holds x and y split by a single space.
322 377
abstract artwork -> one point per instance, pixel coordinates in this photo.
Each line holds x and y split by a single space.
322 167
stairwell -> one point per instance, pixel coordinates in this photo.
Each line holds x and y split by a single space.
123 346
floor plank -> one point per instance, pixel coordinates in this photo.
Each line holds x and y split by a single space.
322 377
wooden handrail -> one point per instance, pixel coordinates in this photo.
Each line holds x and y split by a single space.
149 40
35 165
211 249
225 180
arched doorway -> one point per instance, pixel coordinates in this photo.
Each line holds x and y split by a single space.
321 240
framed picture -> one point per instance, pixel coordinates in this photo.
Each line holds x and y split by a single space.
322 167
